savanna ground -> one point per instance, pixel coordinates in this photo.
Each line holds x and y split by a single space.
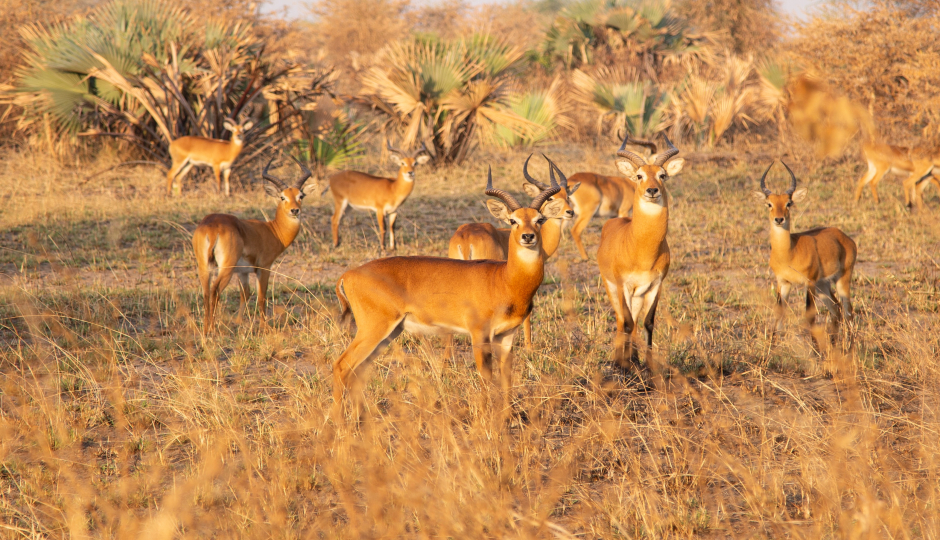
118 419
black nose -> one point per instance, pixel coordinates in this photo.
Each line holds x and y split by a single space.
778 220
528 238
652 192
294 211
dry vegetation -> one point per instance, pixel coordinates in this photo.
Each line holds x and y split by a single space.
118 419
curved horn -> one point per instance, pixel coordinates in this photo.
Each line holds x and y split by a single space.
792 178
546 193
564 179
641 142
528 177
510 201
624 153
299 184
422 150
661 159
269 178
763 186
391 148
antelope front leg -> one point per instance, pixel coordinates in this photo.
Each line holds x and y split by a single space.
619 305
228 189
503 348
263 275
482 355
783 292
380 216
391 229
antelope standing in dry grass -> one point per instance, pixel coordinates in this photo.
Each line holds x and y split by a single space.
633 255
917 163
187 152
225 244
606 196
817 258
474 241
487 299
381 195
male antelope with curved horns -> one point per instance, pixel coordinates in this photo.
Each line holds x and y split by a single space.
633 255
225 244
433 295
817 258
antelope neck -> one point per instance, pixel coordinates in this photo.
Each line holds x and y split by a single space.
284 227
524 269
650 228
780 241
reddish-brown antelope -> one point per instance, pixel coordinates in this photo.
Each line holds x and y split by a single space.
189 151
428 295
917 163
633 255
381 195
225 244
818 258
474 241
605 196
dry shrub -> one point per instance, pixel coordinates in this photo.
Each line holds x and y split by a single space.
884 58
743 25
351 29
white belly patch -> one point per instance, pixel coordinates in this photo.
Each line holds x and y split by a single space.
415 327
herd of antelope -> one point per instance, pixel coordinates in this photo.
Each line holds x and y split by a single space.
485 287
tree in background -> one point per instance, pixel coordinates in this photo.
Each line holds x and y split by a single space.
744 26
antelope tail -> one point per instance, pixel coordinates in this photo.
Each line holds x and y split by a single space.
345 311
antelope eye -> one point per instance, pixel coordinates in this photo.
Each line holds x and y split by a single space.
789 204
769 205
513 222
540 221
301 196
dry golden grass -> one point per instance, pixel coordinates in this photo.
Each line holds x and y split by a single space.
118 420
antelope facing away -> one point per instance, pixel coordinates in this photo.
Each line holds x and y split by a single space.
381 195
917 163
606 196
487 299
225 244
192 150
633 255
818 258
475 241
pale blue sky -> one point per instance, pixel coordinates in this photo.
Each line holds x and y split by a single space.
297 8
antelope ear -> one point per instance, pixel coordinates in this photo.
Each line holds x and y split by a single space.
422 159
396 159
247 125
228 125
673 166
627 168
498 210
759 195
573 188
271 190
798 195
531 189
554 208
311 186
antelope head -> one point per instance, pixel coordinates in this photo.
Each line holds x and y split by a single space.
533 187
649 174
407 161
238 130
524 222
779 204
289 197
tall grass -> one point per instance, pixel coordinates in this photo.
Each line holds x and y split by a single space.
119 420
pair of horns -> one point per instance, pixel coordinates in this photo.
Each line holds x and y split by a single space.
299 184
552 169
422 150
638 160
538 201
763 185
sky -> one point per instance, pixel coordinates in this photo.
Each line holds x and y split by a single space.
297 8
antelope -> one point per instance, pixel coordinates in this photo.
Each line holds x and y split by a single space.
605 196
487 299
192 150
817 258
633 255
475 241
225 244
381 195
917 163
